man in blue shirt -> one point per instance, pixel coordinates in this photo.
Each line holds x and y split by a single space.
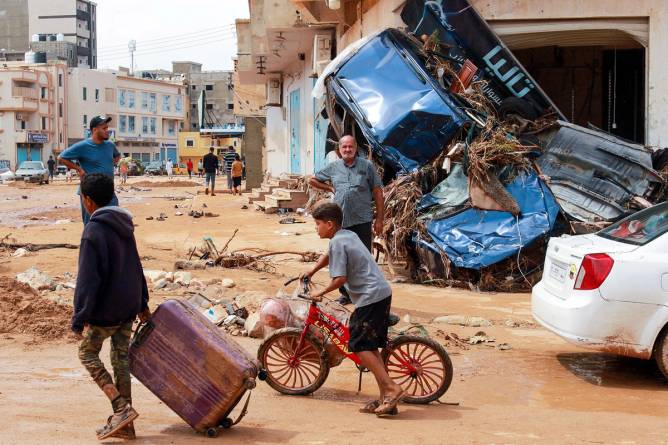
94 155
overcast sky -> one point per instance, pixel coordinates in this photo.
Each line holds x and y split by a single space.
167 30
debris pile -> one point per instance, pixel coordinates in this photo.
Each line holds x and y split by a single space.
478 175
261 260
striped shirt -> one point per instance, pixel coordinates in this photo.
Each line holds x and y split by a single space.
229 157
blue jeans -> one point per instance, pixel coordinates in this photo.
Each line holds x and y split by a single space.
210 177
84 214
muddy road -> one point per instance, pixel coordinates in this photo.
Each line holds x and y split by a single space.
542 390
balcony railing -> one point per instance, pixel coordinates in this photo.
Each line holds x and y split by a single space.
30 93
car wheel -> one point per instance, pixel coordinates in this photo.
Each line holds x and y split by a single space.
661 351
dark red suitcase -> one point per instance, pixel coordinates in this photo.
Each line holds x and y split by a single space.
193 367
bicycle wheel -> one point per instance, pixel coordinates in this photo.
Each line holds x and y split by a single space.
290 371
433 369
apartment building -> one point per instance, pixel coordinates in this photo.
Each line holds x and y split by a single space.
33 112
75 19
146 114
218 89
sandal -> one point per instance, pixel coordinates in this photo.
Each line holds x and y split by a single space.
370 408
389 404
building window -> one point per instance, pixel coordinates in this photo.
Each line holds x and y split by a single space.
97 95
194 87
170 128
60 80
209 106
44 123
122 100
131 124
85 93
153 124
122 124
144 101
131 99
194 106
209 87
230 106
144 125
60 138
190 142
85 119
60 110
194 126
166 103
178 105
154 103
43 93
23 125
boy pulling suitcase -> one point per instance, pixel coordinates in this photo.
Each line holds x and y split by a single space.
110 293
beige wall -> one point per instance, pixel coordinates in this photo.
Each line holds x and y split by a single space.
386 14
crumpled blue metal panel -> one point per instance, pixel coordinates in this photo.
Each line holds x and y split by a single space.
475 239
398 105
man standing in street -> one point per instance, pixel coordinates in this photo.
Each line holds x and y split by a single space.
52 167
229 157
170 168
94 155
210 163
189 166
356 186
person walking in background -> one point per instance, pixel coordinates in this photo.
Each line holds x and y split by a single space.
200 168
123 170
243 163
210 168
189 166
229 157
51 163
94 155
237 173
170 168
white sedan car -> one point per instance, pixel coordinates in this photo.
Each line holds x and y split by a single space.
6 174
609 291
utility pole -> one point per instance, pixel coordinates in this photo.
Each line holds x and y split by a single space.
132 46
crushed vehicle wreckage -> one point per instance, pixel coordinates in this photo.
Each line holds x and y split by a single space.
480 166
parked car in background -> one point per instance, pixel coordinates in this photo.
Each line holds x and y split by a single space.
180 169
32 171
609 291
61 170
155 168
6 174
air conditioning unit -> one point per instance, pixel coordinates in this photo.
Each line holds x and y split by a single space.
274 90
322 53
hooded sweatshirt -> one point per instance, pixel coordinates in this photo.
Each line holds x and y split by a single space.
111 288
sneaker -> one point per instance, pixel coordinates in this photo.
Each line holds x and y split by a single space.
127 432
117 421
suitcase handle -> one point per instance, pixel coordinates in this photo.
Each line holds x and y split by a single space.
141 333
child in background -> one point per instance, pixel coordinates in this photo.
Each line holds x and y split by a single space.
237 174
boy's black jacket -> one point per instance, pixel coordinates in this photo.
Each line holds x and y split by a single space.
111 288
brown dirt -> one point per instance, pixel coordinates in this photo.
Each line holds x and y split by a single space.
23 311
154 184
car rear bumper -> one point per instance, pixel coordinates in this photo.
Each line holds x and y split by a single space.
585 319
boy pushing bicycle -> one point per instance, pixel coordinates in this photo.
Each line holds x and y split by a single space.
351 265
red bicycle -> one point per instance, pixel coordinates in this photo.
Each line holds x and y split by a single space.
296 362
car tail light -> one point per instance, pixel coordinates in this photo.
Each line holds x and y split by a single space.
594 269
